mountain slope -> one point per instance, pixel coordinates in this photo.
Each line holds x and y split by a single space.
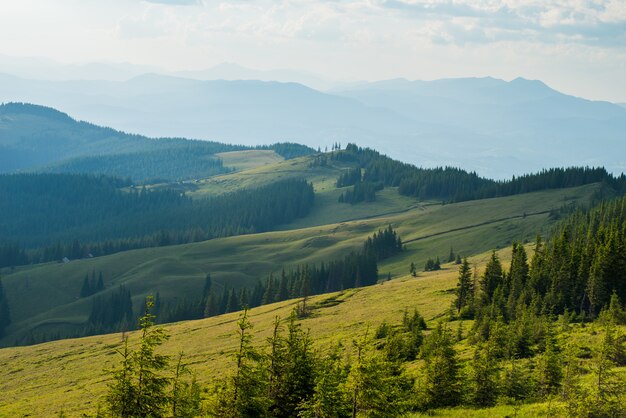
495 127
67 375
37 138
45 297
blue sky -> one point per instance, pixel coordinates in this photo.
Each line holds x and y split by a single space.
578 46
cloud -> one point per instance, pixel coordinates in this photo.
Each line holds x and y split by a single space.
175 2
588 22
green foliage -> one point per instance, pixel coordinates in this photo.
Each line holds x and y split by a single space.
111 314
243 395
330 397
82 209
141 385
442 381
432 265
378 387
349 177
5 313
464 302
483 376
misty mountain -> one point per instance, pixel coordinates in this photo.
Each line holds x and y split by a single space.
232 71
494 127
42 139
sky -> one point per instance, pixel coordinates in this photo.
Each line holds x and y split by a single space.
575 46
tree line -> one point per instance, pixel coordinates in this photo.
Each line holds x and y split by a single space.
454 184
90 215
288 376
357 269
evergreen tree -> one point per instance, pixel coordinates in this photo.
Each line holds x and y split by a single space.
85 290
245 394
208 285
185 395
442 385
484 376
139 386
465 290
491 279
549 368
292 370
5 313
379 388
330 398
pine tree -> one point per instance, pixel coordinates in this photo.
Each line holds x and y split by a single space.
491 279
245 394
100 283
484 376
139 386
465 290
442 386
378 387
549 368
330 398
185 395
5 313
86 290
413 269
208 285
292 370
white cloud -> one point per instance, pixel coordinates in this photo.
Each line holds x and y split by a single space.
357 39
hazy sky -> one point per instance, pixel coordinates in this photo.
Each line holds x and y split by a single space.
576 46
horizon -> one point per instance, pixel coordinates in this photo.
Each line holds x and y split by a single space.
576 49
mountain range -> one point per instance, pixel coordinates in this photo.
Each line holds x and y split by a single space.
494 127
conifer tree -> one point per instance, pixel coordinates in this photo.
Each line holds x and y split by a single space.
484 376
85 290
5 313
378 387
491 279
208 286
330 397
245 394
549 368
185 395
465 290
442 386
139 386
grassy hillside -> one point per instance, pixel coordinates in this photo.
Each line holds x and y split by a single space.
67 375
243 160
46 296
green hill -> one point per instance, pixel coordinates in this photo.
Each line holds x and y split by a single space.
46 296
37 138
67 375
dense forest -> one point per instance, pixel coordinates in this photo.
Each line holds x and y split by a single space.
454 184
91 215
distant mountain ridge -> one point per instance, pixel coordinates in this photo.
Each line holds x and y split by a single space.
38 138
491 126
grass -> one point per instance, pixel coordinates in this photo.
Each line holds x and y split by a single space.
47 294
68 376
245 160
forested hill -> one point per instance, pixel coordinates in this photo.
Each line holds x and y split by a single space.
83 209
454 184
37 138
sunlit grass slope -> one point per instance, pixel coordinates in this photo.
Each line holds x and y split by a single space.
47 294
67 375
244 160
